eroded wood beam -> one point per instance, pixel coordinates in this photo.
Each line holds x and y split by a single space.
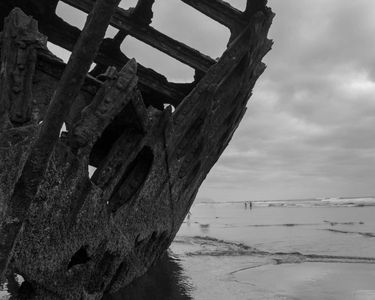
68 89
219 11
149 80
65 35
114 94
123 20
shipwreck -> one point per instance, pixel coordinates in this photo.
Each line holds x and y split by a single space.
75 235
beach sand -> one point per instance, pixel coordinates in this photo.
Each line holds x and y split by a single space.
307 250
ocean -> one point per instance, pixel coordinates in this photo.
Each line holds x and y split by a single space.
317 249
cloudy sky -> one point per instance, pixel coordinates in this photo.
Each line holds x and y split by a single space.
310 126
309 129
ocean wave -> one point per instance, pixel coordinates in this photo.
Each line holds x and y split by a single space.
283 225
325 222
216 247
318 202
209 246
365 234
360 202
343 223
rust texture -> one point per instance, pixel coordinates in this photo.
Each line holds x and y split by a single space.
76 236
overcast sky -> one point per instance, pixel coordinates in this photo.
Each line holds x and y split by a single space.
310 126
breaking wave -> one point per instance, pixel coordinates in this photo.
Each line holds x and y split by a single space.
343 223
365 234
321 202
208 246
325 222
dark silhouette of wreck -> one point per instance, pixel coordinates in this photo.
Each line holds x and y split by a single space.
75 237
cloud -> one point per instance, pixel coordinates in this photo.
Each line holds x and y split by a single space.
309 130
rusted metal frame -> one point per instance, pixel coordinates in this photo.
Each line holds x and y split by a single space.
115 93
148 78
65 35
123 20
37 162
219 11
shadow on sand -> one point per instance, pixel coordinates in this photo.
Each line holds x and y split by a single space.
164 281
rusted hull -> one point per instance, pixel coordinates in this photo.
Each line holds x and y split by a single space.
83 236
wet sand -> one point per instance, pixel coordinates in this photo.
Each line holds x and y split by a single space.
224 270
225 252
329 281
306 251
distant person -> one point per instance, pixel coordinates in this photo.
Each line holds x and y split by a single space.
188 219
245 203
205 228
250 205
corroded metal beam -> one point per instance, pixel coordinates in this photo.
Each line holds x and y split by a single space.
124 21
65 35
87 235
219 11
71 82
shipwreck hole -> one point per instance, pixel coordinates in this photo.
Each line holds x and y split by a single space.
63 54
238 4
191 27
91 170
92 67
132 180
166 105
158 61
126 4
111 32
59 51
71 15
80 257
63 129
126 119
